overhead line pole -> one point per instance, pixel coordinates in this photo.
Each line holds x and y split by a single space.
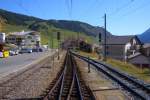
105 58
52 47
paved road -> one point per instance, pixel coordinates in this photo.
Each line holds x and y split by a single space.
18 62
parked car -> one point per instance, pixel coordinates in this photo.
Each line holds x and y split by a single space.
25 50
13 52
34 50
40 50
37 50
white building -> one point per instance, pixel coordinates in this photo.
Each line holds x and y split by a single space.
132 47
2 37
138 52
27 39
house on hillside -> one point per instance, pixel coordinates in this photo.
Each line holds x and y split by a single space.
26 39
138 53
132 46
84 46
115 46
131 49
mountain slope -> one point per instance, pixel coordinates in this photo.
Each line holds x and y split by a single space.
16 19
76 26
145 37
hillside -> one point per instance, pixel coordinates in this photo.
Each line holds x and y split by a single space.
17 19
77 27
145 37
19 22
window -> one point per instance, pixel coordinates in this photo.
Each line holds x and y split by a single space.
107 47
107 53
32 41
29 37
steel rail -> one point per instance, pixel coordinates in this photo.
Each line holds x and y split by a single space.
127 77
63 80
77 80
47 97
73 81
67 85
145 88
113 77
79 84
79 87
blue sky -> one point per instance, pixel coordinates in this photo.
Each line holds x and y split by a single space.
124 17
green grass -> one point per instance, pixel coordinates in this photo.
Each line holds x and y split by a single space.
46 35
12 28
92 55
143 74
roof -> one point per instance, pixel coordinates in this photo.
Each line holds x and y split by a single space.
137 39
146 45
118 39
145 37
135 55
23 33
138 58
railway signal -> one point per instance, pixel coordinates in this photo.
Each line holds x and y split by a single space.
100 37
89 65
58 38
58 35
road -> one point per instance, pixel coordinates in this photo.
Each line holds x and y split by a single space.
18 62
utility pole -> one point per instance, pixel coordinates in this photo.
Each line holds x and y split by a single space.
105 58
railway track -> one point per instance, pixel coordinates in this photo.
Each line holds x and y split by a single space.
68 85
138 89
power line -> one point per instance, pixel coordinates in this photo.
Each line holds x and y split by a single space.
69 4
132 11
93 6
122 7
38 5
20 4
71 7
136 9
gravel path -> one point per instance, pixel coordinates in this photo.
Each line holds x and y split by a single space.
102 88
31 83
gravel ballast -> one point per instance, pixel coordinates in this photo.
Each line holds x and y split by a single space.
33 82
102 88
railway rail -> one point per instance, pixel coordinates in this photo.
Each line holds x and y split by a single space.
68 85
138 89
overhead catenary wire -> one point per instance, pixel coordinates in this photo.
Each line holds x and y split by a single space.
136 9
121 8
132 11
38 5
20 4
69 4
92 6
